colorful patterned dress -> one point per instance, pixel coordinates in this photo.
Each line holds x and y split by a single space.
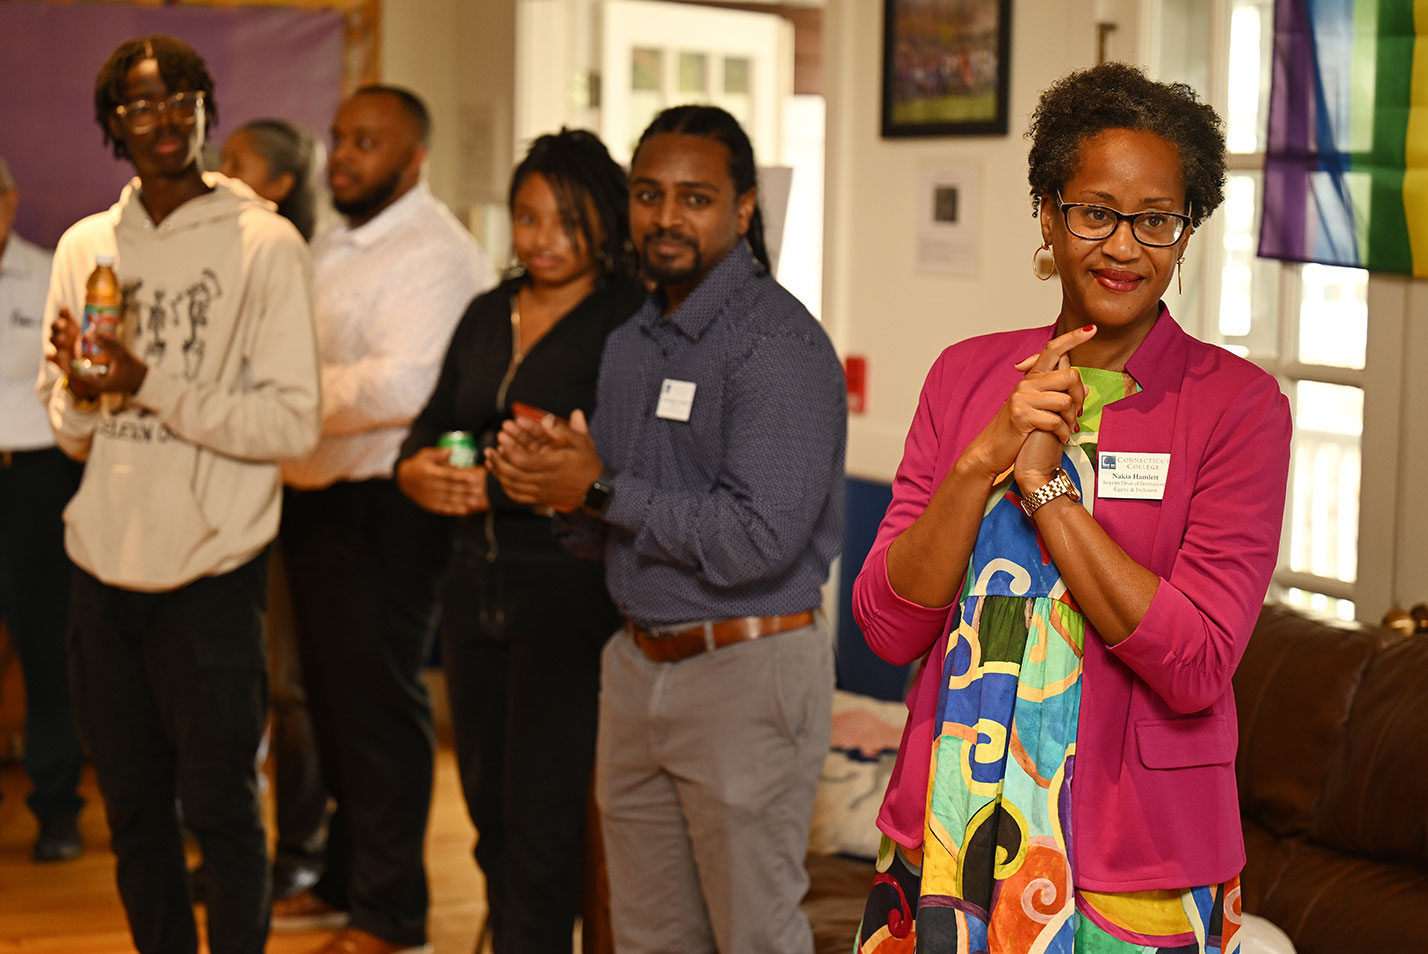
994 871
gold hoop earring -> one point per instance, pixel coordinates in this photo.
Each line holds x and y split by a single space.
1043 263
1179 274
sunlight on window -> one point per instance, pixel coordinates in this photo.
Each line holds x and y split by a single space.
1333 316
1249 289
1324 480
1344 609
1251 29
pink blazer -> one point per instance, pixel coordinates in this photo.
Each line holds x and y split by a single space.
1154 802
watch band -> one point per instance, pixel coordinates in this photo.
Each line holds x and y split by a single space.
1059 485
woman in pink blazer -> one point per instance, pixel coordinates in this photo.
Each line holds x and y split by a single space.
1083 527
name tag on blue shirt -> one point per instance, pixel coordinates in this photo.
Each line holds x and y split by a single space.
676 400
1131 476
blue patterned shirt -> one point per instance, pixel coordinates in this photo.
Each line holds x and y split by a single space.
738 510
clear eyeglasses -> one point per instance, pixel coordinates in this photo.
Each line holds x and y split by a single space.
1153 228
142 115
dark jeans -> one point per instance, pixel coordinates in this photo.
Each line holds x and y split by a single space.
521 647
34 600
363 563
172 692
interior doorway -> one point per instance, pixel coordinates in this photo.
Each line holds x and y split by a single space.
611 65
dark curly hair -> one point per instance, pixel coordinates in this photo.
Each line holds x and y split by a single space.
1119 96
711 122
412 105
579 169
178 63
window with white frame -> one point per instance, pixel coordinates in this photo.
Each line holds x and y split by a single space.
1306 324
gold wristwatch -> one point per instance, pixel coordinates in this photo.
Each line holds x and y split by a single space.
1060 483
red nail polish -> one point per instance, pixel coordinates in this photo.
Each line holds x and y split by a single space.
1088 328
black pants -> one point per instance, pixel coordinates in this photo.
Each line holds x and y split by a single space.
172 693
363 563
299 793
521 648
34 600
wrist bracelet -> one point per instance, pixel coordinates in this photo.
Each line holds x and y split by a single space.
1059 485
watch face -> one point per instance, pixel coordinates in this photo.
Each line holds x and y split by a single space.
597 498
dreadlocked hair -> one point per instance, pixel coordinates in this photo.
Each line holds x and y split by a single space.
711 122
178 63
584 179
1118 96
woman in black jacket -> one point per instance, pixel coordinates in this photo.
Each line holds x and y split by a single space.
524 622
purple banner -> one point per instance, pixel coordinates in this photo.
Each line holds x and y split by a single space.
264 61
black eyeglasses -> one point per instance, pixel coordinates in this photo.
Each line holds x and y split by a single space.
142 115
1096 222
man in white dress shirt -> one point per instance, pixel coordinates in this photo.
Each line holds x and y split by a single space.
363 560
36 481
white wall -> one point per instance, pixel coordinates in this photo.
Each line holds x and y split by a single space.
875 303
460 57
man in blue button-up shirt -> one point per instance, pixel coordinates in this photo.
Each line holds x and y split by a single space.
710 478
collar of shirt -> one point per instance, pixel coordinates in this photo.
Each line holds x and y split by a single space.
708 299
373 232
14 260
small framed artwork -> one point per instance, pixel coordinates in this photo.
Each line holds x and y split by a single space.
945 67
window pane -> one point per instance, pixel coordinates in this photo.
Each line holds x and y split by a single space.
1251 38
646 90
1324 480
694 73
1249 285
736 89
646 68
1333 316
737 75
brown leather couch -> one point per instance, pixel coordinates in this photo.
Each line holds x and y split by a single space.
1333 776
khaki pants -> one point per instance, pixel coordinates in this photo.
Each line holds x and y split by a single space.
705 774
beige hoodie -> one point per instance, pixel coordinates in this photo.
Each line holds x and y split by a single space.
181 479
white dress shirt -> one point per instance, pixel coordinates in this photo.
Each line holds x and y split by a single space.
24 282
388 295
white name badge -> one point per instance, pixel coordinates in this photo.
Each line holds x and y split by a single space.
676 400
1131 476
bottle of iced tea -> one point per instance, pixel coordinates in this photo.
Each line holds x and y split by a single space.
102 299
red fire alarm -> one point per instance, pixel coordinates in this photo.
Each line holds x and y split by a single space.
855 369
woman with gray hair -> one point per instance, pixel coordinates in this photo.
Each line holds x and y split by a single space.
279 160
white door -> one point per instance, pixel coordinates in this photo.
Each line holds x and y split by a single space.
611 65
654 55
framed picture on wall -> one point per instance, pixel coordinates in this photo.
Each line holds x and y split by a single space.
945 67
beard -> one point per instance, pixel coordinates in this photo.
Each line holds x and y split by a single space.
366 203
663 274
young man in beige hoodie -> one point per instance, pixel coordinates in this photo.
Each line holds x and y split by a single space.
212 380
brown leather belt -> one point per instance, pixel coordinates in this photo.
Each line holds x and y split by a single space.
674 645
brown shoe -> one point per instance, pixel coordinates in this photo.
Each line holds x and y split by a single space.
305 911
353 941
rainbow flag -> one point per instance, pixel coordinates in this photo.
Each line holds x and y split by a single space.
1346 165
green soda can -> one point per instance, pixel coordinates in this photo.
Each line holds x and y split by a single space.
462 446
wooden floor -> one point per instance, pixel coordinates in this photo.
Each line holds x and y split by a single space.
73 908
